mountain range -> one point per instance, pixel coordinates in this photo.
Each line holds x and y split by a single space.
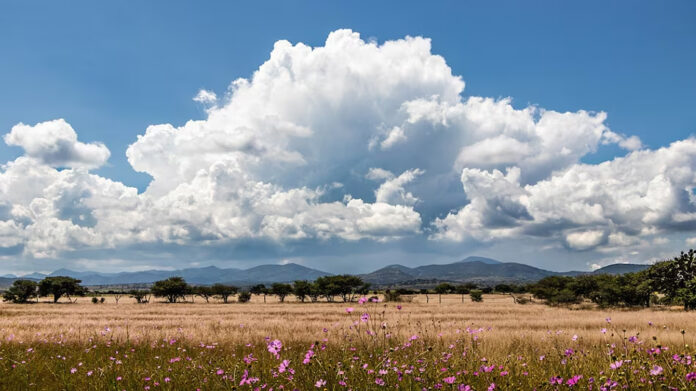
480 270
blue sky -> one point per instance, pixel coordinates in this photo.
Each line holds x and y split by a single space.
112 70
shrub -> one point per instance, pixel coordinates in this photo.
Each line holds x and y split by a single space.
392 295
95 300
476 296
244 297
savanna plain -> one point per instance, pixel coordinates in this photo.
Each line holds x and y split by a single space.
447 343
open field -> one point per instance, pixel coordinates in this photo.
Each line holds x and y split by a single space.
207 346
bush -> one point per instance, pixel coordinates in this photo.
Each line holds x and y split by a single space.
392 295
21 291
95 300
244 297
476 296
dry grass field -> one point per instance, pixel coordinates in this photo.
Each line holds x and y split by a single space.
449 342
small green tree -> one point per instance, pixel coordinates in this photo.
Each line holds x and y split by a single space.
302 290
462 290
173 289
140 295
60 286
392 295
244 297
259 289
314 292
205 292
21 291
476 296
224 291
443 288
281 290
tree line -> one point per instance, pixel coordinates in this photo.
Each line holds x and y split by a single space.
671 282
331 288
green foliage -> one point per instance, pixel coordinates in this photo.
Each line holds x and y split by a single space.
673 278
281 290
345 286
302 290
21 291
95 300
244 297
476 296
140 295
223 291
444 288
172 289
206 292
60 286
392 295
676 279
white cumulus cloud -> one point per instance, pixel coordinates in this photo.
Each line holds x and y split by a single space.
55 143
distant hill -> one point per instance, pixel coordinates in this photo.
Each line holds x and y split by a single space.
489 261
621 268
473 269
200 276
479 270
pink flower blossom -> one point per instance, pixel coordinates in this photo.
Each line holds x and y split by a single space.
349 309
449 380
656 370
283 366
274 347
365 317
320 383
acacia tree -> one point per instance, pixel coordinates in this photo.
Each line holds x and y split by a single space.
173 289
301 290
281 290
60 286
224 291
259 289
314 292
205 292
345 286
21 291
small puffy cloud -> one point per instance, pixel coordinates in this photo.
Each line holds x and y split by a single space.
392 190
690 241
55 143
205 97
585 240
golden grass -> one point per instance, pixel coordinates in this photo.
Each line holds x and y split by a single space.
291 321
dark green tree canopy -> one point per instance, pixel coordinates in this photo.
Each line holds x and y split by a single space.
173 289
224 291
281 290
21 291
60 286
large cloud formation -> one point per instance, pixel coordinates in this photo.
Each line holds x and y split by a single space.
348 141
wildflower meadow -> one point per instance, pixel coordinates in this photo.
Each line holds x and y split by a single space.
368 344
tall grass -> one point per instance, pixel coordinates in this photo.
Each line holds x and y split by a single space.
490 345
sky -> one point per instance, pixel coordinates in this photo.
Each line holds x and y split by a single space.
347 136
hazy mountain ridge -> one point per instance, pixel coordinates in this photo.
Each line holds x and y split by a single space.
480 270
